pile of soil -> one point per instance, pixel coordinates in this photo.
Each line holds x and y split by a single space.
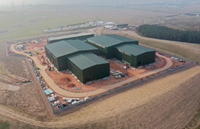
71 85
65 79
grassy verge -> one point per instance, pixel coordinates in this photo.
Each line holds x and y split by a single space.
4 125
194 122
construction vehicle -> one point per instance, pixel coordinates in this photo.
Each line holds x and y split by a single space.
127 28
43 60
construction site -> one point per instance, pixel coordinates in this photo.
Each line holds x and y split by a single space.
71 69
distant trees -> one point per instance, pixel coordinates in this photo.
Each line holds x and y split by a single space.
162 32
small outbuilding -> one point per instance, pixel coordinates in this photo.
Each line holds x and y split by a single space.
122 25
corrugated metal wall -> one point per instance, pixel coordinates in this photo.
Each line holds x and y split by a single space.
102 51
110 52
51 57
134 62
74 38
96 72
123 56
75 70
146 58
62 63
134 42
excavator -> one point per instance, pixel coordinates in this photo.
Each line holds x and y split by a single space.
43 60
127 28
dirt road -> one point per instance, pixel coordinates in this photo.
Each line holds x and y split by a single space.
62 92
51 114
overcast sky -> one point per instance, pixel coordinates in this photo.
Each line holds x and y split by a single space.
17 2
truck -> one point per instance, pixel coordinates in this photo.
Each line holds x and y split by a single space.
37 68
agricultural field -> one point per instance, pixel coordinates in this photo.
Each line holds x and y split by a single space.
183 22
131 16
50 21
48 18
10 20
24 98
171 9
4 125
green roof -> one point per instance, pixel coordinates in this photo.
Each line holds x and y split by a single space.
109 40
104 41
69 36
62 48
122 25
121 38
134 49
142 48
86 59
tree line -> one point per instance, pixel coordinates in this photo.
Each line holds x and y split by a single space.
162 32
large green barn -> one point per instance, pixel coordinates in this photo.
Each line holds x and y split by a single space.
80 36
122 25
124 49
78 57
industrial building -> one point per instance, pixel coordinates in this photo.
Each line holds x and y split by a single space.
122 25
80 36
78 57
122 48
81 58
106 43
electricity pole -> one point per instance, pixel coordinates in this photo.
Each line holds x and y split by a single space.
13 6
23 6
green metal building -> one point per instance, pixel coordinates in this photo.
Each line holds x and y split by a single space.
80 36
88 66
135 55
78 57
122 25
106 43
124 49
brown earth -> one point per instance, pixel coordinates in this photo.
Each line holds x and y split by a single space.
175 63
62 78
27 100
